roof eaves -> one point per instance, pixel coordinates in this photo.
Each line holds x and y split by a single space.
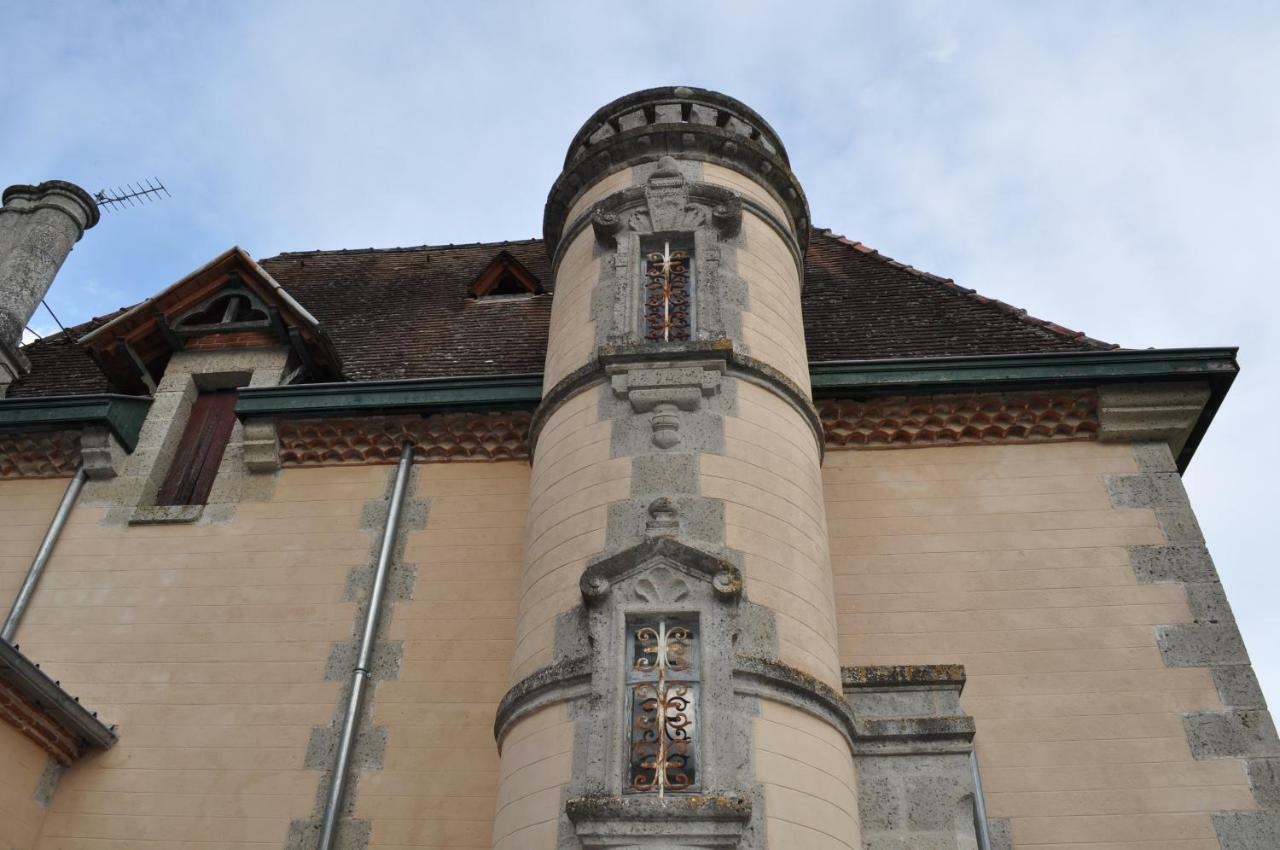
26 677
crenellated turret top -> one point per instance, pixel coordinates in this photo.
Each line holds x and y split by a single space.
682 122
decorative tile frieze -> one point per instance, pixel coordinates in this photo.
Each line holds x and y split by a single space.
39 454
929 420
439 438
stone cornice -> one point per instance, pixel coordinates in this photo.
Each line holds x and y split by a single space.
610 357
684 122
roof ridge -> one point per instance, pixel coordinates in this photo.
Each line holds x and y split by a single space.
528 241
1019 313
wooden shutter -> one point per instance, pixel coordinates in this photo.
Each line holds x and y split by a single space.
205 439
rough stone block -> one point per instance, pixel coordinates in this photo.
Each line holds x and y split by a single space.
1238 687
1149 490
1264 779
1247 830
1184 563
1201 645
367 753
1232 734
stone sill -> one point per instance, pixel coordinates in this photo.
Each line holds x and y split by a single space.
163 514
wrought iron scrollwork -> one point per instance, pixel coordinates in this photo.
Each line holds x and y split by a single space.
668 295
663 708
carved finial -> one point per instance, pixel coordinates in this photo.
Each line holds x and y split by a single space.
665 423
663 518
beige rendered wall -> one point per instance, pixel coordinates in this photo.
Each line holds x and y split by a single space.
810 795
26 507
769 480
573 482
207 645
536 765
1011 561
438 784
21 764
572 324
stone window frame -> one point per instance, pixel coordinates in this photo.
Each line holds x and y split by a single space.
130 487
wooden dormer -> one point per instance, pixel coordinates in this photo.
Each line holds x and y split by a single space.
504 276
231 302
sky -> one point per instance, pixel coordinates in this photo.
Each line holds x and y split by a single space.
1112 166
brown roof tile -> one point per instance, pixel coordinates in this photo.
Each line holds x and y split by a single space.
406 313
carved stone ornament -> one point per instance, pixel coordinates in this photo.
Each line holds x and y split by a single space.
630 224
667 565
667 203
664 389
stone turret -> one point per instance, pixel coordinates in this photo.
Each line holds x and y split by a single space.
676 633
38 227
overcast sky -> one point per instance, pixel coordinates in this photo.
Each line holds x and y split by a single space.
1114 167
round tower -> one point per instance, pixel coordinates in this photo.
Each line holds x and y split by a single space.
675 674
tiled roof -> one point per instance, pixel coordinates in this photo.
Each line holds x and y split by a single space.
862 305
406 313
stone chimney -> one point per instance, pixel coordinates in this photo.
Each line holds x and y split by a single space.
38 227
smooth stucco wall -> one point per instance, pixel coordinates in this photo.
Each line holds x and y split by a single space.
1012 561
439 780
207 644
537 763
21 765
574 481
810 794
573 325
769 481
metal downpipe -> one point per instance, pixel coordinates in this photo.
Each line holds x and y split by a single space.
43 554
360 674
979 805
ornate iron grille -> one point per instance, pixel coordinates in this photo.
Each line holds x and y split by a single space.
664 695
668 295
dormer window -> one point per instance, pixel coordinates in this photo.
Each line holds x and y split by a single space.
505 277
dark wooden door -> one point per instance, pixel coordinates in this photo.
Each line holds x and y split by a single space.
205 439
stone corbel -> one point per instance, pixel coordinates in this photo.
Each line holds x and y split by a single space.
607 225
1164 412
261 446
664 389
100 453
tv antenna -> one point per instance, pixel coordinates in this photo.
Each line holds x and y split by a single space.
131 195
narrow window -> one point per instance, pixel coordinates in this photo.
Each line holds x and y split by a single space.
195 464
668 294
662 676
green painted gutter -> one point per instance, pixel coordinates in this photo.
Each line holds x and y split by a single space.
838 379
938 374
866 378
405 396
122 414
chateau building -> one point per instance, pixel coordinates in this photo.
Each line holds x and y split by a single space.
688 525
